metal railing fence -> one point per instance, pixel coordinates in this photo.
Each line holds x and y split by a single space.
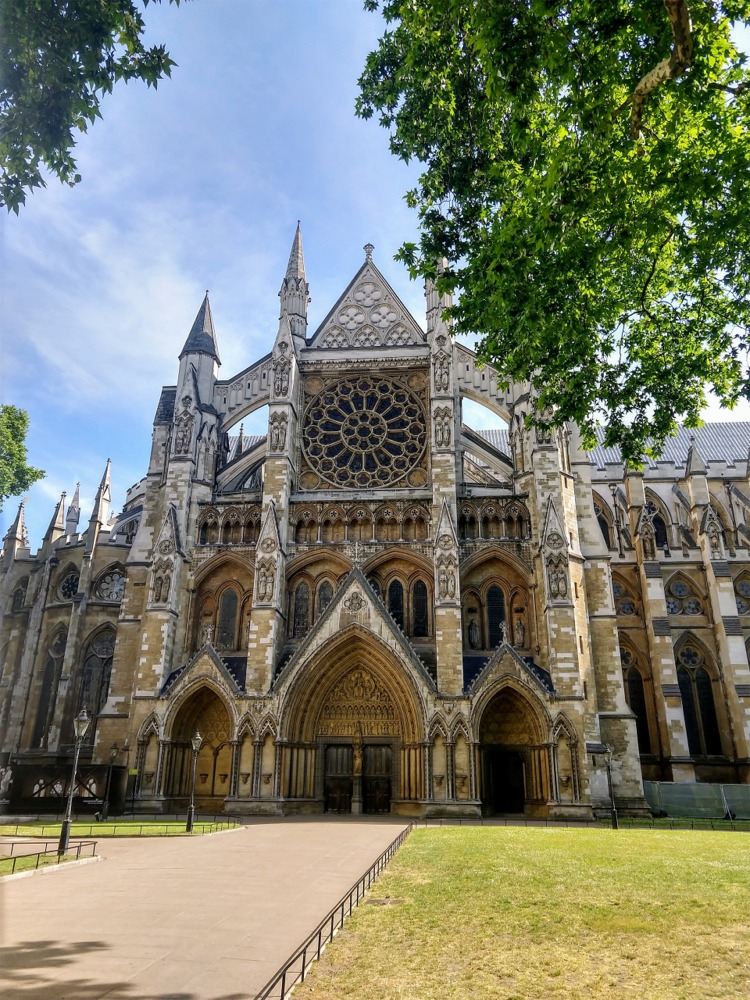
294 970
78 850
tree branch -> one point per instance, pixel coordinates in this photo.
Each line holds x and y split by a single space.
668 69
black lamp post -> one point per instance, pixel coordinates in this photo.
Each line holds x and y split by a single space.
80 725
608 762
196 745
113 752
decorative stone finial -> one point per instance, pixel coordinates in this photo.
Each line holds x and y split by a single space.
368 248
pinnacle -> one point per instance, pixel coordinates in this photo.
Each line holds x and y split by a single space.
202 336
296 266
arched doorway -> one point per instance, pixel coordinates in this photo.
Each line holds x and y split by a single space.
356 727
514 757
204 712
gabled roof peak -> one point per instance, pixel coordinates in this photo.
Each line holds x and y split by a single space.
202 336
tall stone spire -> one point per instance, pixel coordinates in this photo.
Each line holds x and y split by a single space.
74 512
295 292
202 336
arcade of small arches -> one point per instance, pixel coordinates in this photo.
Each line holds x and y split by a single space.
229 526
493 519
668 530
386 523
354 738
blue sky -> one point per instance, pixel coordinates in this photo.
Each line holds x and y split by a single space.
197 185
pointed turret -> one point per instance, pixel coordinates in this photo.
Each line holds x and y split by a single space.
696 472
17 536
74 512
294 292
100 513
202 336
57 524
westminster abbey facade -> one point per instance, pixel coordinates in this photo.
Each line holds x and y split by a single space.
374 607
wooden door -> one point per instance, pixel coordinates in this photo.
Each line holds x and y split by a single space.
338 779
376 779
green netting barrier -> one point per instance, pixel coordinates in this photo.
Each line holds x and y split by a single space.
696 800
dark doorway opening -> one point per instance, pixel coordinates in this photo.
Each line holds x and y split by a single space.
376 779
504 790
338 779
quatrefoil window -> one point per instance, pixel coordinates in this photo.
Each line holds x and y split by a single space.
364 432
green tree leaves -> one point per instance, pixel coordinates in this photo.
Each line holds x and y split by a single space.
15 475
57 59
611 271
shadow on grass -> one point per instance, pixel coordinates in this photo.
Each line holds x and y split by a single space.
29 970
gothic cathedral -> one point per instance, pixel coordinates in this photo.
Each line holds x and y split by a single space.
373 607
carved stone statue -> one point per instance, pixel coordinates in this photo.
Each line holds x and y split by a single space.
442 374
519 634
474 636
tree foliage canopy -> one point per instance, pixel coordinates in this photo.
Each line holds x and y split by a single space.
587 174
15 475
57 59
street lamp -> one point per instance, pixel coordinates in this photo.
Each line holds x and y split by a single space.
113 752
196 745
80 725
608 762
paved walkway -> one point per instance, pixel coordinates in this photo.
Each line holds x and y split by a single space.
205 918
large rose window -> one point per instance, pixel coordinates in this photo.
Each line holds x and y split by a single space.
364 432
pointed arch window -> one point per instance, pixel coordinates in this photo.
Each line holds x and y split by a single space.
325 596
396 602
603 524
660 527
495 616
704 737
95 675
420 619
301 623
48 693
227 631
19 597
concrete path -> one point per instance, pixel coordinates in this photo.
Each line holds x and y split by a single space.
205 918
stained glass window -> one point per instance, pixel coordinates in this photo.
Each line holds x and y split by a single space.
420 619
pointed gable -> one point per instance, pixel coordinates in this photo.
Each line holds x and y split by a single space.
369 315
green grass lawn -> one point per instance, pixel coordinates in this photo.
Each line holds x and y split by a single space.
23 864
534 914
113 828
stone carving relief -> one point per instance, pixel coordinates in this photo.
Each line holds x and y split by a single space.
278 428
446 577
713 531
367 294
183 438
281 376
557 577
266 581
162 585
442 370
443 419
358 706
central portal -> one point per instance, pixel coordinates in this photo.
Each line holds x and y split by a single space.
342 781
